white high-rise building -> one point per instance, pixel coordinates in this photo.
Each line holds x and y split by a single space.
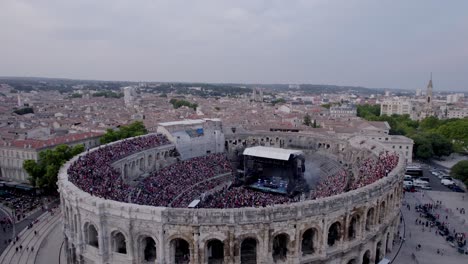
454 98
418 92
399 106
129 96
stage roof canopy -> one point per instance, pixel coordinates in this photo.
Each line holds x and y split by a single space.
271 153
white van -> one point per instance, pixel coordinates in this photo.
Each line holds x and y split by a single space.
419 183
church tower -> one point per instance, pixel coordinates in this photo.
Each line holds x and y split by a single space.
428 107
429 92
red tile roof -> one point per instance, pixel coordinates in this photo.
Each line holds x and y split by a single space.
67 139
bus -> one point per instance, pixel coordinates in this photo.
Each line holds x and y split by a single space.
414 171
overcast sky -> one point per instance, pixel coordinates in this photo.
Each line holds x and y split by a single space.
384 43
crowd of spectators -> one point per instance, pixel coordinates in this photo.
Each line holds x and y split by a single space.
331 185
371 170
236 197
163 186
179 184
94 174
20 202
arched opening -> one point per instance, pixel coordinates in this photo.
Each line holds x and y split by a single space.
125 176
92 236
280 247
119 243
353 227
387 245
181 251
366 258
215 251
150 160
352 261
142 164
369 218
382 212
378 253
149 249
334 234
248 252
307 245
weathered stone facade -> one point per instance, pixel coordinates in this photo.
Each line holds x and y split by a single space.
354 227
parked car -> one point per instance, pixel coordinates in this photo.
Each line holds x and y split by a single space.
447 181
426 179
420 183
456 188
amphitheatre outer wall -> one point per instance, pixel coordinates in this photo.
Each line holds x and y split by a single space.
366 218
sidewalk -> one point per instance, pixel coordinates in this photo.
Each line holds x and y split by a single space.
30 239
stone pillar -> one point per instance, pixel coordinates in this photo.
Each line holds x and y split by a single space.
264 254
195 247
324 246
160 253
231 241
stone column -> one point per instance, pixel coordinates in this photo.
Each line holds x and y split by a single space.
194 254
161 256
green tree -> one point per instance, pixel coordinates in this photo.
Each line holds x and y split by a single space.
429 123
134 129
456 131
43 172
460 171
368 111
23 111
440 145
179 103
307 121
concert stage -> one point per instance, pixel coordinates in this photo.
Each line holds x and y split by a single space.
274 170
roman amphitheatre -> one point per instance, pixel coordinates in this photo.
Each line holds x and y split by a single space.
197 192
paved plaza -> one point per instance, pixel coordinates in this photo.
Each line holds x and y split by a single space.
416 234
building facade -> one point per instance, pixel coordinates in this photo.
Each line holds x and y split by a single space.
14 153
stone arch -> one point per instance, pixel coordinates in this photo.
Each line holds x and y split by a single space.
248 250
142 164
118 242
334 234
150 160
180 250
125 174
378 252
76 222
91 235
214 251
366 257
353 227
382 212
387 243
147 249
370 218
309 241
279 247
